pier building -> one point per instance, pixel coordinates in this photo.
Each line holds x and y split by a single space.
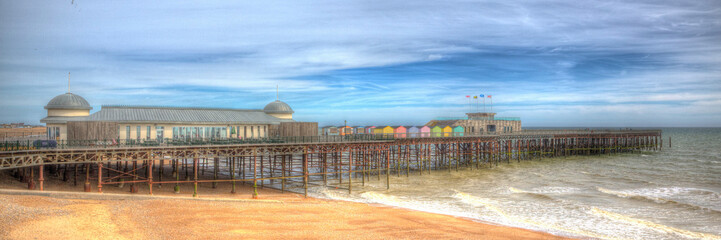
480 123
69 118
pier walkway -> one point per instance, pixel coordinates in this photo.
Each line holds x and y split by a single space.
296 166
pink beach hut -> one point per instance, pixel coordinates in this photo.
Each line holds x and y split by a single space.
399 131
424 131
369 130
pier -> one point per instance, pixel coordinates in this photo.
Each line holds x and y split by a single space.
296 166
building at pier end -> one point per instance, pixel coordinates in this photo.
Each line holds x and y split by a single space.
69 118
479 123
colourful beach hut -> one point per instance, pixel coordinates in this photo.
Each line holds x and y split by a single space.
359 130
369 130
436 131
378 131
399 131
413 132
425 131
447 131
458 131
332 131
388 131
345 130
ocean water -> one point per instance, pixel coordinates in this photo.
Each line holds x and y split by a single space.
671 194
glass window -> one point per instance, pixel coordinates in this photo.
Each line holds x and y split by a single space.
159 133
127 132
245 131
137 133
147 135
224 132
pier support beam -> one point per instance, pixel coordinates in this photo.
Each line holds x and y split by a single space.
100 177
41 180
195 174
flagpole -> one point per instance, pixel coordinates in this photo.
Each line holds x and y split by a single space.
476 104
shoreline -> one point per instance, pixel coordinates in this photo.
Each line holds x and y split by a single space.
117 214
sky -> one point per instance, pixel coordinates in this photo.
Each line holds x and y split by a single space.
551 63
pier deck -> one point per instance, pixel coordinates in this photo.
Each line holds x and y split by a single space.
296 166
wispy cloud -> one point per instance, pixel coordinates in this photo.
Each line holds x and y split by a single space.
554 63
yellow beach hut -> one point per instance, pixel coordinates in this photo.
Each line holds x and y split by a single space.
447 131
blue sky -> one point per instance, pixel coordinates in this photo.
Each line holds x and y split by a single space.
552 63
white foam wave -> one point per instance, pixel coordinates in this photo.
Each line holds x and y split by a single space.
668 196
490 205
652 225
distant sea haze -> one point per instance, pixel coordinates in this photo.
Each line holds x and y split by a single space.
671 194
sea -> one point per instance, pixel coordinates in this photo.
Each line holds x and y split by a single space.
674 193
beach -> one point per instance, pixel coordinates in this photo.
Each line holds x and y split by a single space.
63 211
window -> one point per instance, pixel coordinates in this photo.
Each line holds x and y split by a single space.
53 133
127 132
245 131
159 133
147 136
137 134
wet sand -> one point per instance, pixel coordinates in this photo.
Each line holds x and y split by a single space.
217 214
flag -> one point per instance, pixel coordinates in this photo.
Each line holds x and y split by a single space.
481 96
475 97
489 96
468 96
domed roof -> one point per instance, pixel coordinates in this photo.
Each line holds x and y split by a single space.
68 101
277 107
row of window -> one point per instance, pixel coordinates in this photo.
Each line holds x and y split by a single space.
190 133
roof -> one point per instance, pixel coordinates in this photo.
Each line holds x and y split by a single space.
277 107
57 119
185 115
68 101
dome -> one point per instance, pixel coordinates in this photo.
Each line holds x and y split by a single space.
277 107
68 101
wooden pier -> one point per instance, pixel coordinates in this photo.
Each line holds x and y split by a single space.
296 167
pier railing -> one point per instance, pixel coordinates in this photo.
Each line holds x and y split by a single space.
121 143
295 167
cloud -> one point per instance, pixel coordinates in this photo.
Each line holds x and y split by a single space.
407 61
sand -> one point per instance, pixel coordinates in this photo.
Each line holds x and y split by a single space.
67 213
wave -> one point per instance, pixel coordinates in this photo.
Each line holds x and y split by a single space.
652 225
382 198
658 200
533 194
481 202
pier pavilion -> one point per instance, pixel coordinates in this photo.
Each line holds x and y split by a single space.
480 123
69 118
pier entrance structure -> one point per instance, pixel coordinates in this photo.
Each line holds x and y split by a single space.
295 166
